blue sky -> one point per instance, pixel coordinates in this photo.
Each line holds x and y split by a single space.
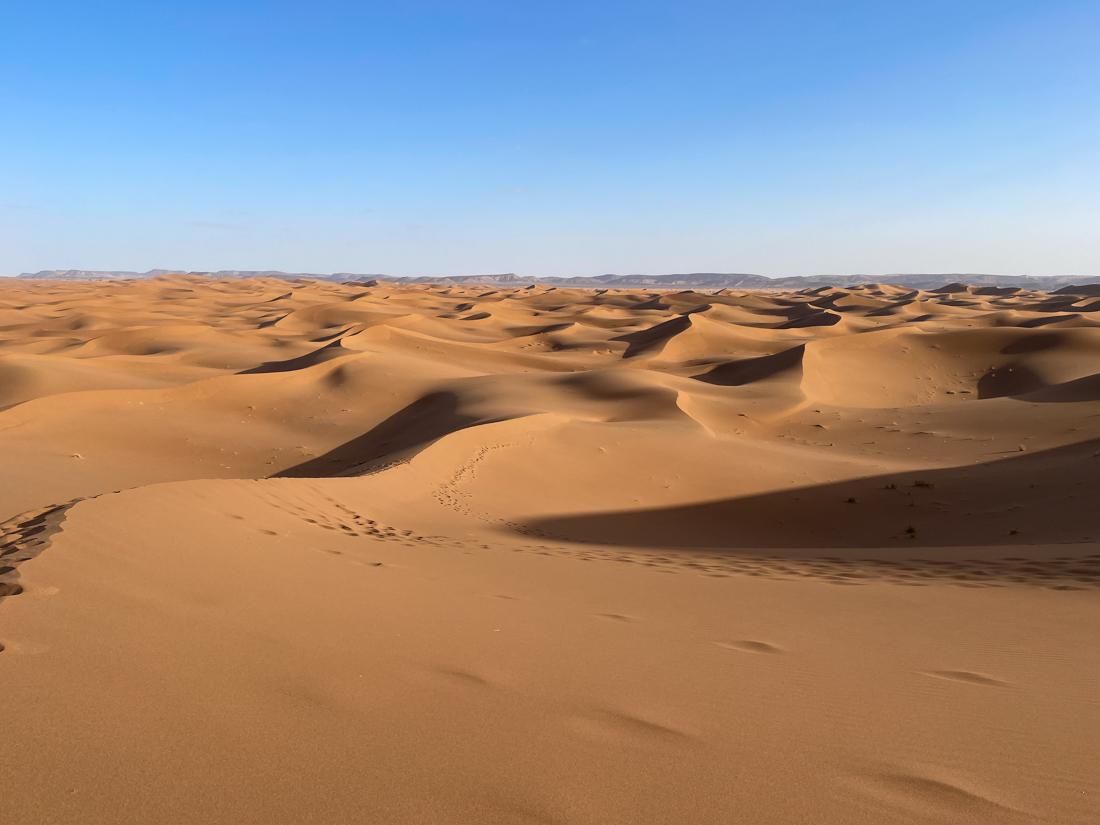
565 138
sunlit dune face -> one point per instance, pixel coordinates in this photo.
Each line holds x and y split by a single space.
321 552
181 377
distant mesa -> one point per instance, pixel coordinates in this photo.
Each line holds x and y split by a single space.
121 275
948 282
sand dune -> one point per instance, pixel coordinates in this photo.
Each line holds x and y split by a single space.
319 552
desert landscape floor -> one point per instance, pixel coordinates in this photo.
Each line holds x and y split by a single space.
334 553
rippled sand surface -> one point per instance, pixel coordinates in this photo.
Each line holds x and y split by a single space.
311 552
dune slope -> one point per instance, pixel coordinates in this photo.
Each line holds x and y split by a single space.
319 552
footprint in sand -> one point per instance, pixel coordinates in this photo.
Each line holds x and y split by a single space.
966 676
750 647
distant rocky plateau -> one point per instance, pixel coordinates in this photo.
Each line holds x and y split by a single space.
693 280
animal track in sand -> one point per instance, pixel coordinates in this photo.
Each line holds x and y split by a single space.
1063 574
318 509
965 676
449 495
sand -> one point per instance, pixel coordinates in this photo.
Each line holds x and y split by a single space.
329 553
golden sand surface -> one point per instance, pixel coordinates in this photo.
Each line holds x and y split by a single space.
306 552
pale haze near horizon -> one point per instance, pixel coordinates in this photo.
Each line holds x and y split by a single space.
553 139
